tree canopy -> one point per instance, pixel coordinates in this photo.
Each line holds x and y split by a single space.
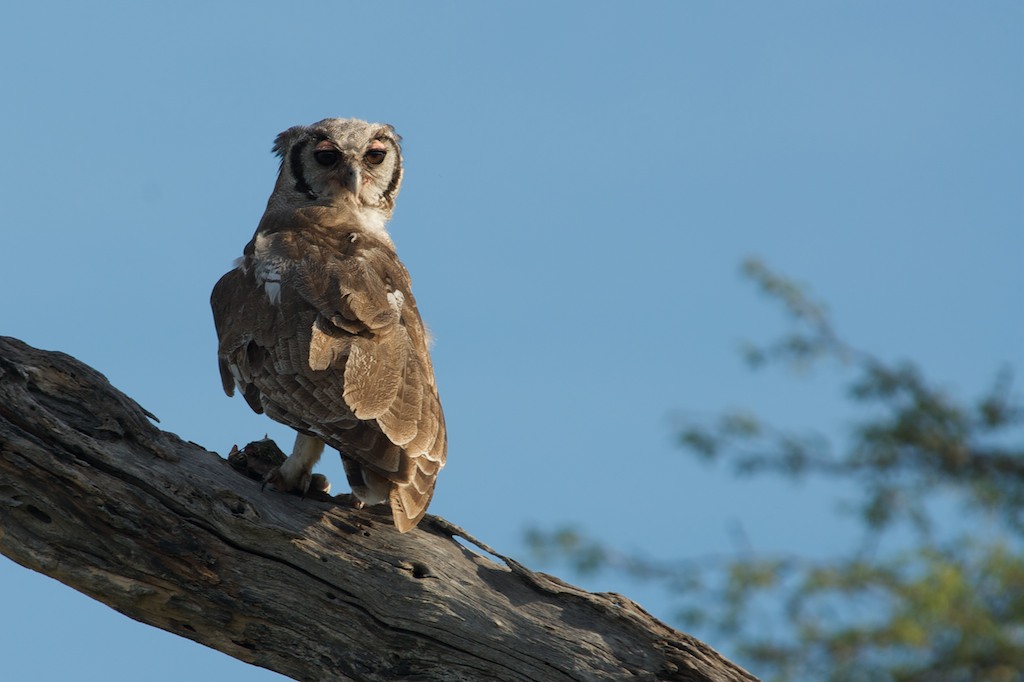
946 605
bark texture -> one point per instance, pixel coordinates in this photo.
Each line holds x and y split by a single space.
170 534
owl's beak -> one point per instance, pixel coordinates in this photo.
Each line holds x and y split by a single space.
350 179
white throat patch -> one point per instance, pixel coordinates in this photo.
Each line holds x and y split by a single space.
375 222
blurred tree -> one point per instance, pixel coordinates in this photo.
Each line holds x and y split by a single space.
947 607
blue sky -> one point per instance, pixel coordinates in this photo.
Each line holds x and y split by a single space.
582 183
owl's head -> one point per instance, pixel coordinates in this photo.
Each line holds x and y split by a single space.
341 162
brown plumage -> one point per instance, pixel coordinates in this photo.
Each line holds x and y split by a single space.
318 327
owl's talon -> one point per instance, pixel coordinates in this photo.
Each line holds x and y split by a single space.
320 484
273 477
316 483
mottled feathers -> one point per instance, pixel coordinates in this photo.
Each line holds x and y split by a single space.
318 327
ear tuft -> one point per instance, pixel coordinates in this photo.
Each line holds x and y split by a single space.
284 141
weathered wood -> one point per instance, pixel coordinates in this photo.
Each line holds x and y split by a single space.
167 533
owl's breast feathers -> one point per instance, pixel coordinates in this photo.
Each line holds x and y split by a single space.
318 327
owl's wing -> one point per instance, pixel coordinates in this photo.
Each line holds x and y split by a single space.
240 318
367 321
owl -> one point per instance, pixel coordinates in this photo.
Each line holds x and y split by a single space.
318 328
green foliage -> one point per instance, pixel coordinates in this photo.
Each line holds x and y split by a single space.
948 607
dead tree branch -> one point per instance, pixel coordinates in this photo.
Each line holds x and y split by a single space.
167 533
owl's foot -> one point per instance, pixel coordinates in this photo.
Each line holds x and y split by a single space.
295 474
300 485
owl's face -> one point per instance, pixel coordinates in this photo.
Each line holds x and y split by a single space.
340 161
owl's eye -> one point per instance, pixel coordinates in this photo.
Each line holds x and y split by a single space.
375 157
326 157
